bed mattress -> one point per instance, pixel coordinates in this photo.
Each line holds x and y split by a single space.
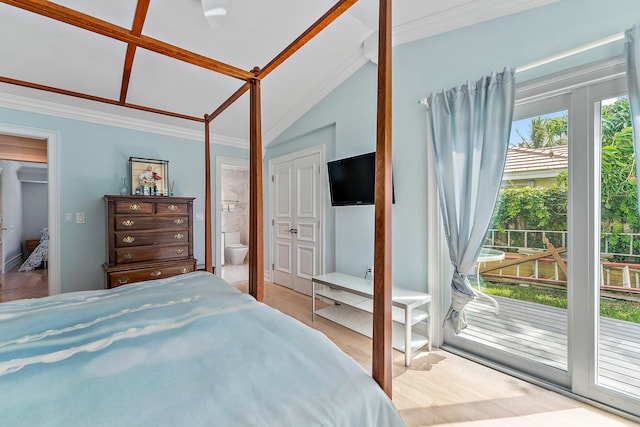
190 350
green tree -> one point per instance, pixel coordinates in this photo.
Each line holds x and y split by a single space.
619 209
545 132
546 208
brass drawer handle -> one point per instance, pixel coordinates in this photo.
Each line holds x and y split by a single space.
172 207
179 251
179 236
156 273
123 280
128 223
135 207
178 221
128 256
185 270
129 239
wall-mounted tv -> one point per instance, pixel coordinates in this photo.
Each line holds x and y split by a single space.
352 180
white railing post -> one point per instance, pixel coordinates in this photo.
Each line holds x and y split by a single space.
626 281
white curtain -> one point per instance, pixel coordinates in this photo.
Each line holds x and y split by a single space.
632 54
469 128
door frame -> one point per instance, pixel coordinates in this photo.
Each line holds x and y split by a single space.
2 263
221 162
318 149
53 189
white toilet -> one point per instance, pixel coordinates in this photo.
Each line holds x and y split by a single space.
234 251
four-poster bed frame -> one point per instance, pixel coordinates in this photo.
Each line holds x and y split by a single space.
382 352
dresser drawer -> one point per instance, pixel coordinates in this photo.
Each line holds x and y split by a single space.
125 239
119 278
150 253
148 222
133 207
169 207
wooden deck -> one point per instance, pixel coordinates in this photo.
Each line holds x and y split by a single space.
521 327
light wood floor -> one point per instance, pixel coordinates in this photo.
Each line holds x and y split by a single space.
16 285
442 389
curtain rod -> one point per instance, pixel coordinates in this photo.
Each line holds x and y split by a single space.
561 55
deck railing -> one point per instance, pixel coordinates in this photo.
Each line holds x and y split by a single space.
619 245
624 274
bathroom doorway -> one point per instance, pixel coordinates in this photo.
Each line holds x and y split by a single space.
232 219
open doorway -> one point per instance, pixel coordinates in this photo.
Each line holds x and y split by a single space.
24 241
232 219
28 208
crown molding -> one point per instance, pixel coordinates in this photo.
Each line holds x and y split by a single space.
32 105
464 15
351 65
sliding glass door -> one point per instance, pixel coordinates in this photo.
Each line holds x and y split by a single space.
519 315
618 290
558 286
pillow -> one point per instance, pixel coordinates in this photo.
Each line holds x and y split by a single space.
44 234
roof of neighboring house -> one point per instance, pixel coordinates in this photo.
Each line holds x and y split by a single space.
521 159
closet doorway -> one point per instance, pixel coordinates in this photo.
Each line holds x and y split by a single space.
29 175
296 218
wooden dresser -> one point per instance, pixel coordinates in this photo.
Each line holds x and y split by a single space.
148 237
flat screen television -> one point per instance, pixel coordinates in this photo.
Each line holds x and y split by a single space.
352 180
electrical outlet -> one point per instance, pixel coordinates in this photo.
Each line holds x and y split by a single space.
80 219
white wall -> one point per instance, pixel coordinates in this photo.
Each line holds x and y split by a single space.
11 209
35 207
430 65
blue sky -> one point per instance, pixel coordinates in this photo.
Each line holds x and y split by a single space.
524 128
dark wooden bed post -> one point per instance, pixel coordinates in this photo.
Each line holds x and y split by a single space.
208 217
382 350
256 219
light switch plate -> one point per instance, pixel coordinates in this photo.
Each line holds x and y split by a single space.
80 218
68 217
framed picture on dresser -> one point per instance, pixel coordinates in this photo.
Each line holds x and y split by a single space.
149 177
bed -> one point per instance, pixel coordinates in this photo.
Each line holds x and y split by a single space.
39 254
186 350
382 321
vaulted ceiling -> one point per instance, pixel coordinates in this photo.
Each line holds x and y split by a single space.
38 51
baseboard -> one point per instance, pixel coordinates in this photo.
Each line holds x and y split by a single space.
13 262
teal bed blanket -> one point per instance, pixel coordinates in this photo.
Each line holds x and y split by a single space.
190 350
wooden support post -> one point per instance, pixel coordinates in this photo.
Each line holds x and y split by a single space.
556 255
208 217
382 350
518 261
256 220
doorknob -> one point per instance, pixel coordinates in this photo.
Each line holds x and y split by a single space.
293 230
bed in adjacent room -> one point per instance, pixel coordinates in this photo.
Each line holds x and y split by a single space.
187 350
39 254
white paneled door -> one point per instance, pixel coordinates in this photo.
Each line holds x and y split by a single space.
296 221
